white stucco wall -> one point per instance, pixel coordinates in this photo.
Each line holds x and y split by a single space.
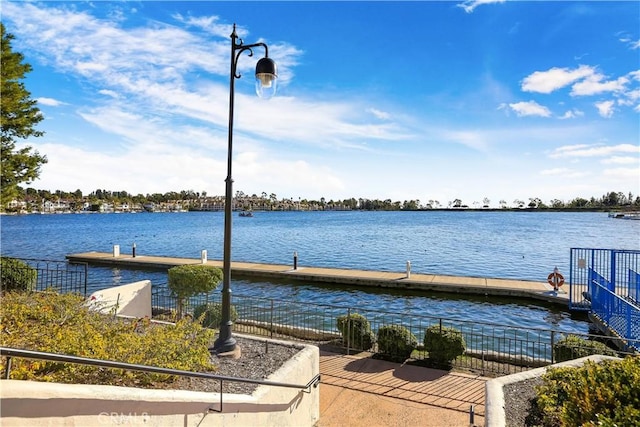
45 404
133 299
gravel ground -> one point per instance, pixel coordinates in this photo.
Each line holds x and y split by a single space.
258 360
518 399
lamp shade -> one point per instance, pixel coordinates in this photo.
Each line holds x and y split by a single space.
266 78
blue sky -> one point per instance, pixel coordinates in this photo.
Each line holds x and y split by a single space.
423 100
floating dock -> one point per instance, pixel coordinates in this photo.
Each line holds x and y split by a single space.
362 278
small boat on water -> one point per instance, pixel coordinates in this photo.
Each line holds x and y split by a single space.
624 215
246 213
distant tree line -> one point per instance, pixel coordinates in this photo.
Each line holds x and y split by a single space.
30 199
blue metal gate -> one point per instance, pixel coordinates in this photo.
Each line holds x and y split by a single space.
616 269
607 283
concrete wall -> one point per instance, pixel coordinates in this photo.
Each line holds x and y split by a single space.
133 300
45 404
494 389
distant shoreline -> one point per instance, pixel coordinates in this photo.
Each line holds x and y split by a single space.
559 210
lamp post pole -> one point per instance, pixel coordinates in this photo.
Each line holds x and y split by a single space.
265 78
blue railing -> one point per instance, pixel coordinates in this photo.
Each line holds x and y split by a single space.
634 281
612 268
621 315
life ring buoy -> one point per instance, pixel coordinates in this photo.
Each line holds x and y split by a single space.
555 279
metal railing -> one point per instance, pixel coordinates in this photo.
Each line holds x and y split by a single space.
38 355
611 265
62 276
489 347
619 314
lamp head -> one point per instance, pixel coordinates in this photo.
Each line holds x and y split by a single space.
266 78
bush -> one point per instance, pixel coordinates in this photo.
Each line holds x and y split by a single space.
356 331
574 347
188 280
396 341
443 344
16 275
63 324
210 315
605 393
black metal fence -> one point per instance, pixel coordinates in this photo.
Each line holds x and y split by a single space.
489 348
63 276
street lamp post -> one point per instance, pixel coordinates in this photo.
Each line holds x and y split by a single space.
266 73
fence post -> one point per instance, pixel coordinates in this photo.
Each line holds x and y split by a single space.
7 368
271 320
348 329
553 339
86 272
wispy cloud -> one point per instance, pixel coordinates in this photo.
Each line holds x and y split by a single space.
571 114
555 78
605 108
621 160
470 5
530 108
586 150
595 84
49 102
563 172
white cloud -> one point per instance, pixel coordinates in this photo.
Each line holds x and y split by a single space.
470 5
571 114
622 173
563 172
605 108
50 102
621 160
530 108
593 85
383 115
107 92
209 24
586 150
554 78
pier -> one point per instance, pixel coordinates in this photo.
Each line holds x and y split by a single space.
405 280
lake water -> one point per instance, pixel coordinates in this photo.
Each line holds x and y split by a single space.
519 245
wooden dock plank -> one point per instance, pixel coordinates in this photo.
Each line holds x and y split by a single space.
366 278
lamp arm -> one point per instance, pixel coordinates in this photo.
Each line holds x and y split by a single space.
238 48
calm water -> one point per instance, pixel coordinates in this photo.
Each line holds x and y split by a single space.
519 245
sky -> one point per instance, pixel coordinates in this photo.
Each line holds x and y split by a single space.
419 100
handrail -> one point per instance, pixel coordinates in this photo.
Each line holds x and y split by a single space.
40 355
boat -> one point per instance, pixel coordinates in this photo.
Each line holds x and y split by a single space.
625 215
246 213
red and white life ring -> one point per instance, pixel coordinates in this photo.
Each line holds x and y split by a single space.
555 279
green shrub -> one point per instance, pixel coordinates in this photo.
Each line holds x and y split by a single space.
191 279
210 315
396 341
443 344
63 324
356 331
16 275
574 347
605 393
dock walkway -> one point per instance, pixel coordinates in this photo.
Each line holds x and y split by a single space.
363 278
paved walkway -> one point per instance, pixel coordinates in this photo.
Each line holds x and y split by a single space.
357 390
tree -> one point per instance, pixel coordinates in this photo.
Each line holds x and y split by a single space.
191 279
18 116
